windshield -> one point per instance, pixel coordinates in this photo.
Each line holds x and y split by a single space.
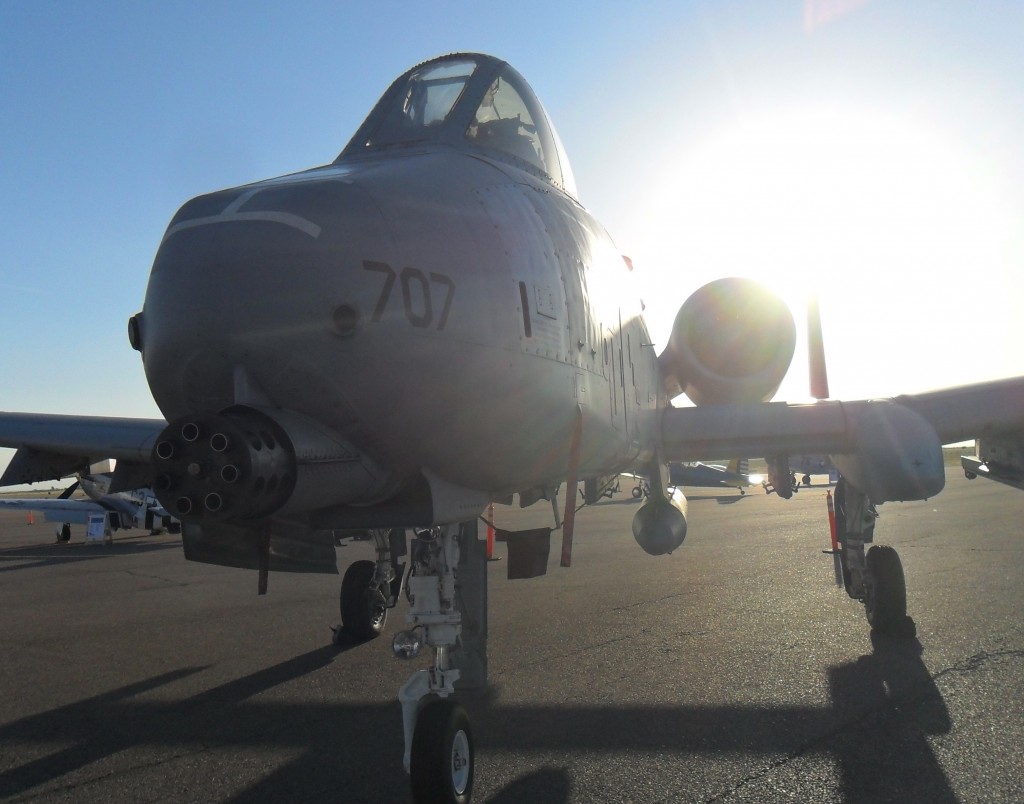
510 119
502 121
426 101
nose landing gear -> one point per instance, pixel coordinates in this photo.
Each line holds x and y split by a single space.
448 613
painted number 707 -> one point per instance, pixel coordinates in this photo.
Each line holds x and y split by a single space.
417 294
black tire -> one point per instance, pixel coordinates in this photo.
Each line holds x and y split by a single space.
441 764
65 533
363 618
885 599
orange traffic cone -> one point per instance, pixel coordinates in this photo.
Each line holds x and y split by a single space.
31 518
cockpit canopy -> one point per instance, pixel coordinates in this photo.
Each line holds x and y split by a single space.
467 99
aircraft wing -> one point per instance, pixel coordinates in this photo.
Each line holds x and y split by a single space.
53 510
52 446
891 448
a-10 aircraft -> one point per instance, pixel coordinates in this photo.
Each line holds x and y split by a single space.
434 322
134 508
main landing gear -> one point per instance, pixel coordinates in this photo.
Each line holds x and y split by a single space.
370 588
875 578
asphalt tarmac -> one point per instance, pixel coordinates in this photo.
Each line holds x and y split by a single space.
732 670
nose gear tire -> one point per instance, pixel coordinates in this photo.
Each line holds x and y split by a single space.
442 761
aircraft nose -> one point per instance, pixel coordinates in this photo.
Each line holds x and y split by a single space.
271 268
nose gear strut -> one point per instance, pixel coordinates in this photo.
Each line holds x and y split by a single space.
447 591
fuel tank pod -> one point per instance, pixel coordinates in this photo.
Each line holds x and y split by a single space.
659 526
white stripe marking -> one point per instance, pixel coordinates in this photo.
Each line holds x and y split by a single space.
288 219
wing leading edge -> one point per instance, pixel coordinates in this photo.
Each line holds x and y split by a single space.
76 511
890 448
52 446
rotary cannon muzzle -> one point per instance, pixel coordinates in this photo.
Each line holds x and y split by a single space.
236 465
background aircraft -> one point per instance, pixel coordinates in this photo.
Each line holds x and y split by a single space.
733 475
434 322
1001 462
806 465
137 508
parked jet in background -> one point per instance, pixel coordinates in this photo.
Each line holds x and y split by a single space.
807 465
124 510
734 475
434 322
1000 461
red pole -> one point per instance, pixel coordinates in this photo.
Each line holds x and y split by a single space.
490 531
832 519
836 558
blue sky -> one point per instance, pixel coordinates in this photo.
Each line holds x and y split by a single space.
875 159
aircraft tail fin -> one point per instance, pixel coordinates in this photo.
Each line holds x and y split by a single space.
739 466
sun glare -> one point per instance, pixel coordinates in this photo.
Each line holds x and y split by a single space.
884 221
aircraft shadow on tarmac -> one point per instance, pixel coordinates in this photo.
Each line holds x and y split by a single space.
721 499
884 705
50 555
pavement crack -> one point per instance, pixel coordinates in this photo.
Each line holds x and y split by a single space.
972 663
882 709
171 581
47 793
639 603
578 651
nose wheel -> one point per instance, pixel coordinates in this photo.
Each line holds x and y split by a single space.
441 763
448 614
